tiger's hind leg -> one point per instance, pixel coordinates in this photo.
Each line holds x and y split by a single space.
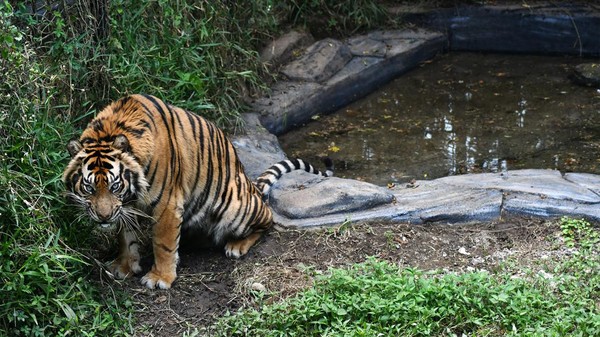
238 248
128 261
245 228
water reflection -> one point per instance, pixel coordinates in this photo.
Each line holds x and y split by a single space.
521 112
462 114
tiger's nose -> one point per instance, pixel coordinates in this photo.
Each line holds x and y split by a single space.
104 212
103 215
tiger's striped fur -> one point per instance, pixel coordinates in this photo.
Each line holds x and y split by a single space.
141 157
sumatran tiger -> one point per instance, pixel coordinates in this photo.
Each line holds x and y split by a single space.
141 157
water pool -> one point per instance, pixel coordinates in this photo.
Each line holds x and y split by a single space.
461 113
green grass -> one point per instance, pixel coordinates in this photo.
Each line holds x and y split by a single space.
45 289
376 298
200 55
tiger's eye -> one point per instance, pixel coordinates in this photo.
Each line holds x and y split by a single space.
115 186
87 188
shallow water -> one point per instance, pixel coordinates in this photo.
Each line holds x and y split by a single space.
461 113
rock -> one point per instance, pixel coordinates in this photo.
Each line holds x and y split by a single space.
587 74
539 206
365 46
304 195
320 61
403 34
585 180
357 68
545 183
283 48
294 103
256 147
256 286
545 28
436 201
289 105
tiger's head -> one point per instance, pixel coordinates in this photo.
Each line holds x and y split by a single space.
104 178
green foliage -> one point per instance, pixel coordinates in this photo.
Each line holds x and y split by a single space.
196 54
376 298
43 286
579 233
66 53
338 18
200 55
582 268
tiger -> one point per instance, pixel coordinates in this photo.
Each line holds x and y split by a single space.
143 158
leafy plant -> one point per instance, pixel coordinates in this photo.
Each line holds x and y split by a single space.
199 55
341 18
582 268
44 289
376 298
579 233
61 61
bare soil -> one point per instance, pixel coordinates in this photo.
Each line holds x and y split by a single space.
284 261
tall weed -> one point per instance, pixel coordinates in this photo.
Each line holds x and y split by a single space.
200 55
44 290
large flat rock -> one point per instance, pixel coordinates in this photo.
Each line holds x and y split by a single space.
546 183
320 202
585 180
286 107
436 201
559 28
320 61
537 205
306 195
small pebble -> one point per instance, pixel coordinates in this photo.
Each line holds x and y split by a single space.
258 287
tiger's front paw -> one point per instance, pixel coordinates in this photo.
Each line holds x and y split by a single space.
154 279
125 267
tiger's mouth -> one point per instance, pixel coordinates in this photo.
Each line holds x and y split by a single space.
107 226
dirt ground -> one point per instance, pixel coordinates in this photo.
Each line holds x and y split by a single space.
284 261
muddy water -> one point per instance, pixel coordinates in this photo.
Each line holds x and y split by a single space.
461 113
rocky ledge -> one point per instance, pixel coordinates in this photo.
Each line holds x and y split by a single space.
323 76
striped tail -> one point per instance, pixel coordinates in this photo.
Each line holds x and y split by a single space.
273 173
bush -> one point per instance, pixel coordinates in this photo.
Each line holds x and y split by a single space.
44 290
199 55
376 298
326 18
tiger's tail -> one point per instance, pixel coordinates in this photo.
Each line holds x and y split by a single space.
273 173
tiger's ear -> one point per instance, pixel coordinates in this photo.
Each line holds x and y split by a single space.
121 143
74 147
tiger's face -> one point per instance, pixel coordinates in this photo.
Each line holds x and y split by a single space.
104 179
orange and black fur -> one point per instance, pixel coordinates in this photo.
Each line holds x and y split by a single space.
141 157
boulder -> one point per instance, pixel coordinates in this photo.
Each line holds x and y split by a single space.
320 61
283 48
302 195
